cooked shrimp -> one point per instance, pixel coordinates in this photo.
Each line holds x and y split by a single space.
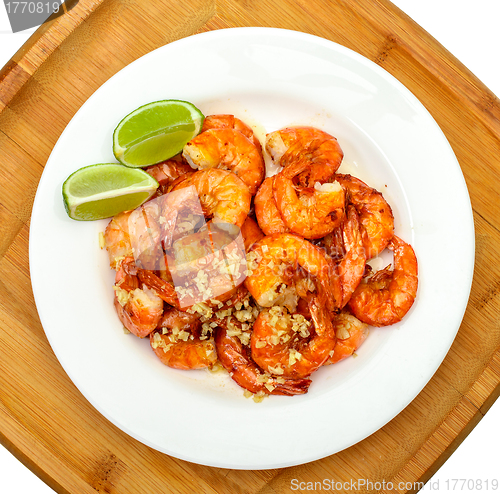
164 289
230 122
117 239
239 296
135 233
251 232
286 344
311 212
208 264
280 262
333 244
145 235
177 342
227 149
388 295
138 308
296 144
166 173
351 333
375 214
236 359
266 211
223 196
202 269
352 266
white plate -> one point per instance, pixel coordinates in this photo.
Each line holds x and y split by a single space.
270 78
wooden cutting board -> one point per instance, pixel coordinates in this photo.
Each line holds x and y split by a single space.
45 421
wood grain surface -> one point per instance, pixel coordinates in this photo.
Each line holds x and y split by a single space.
45 421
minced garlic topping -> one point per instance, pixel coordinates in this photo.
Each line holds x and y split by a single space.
102 241
293 356
279 318
277 369
122 295
159 342
258 397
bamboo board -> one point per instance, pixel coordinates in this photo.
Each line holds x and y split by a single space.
46 422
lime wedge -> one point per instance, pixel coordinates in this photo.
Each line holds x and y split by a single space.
104 190
155 132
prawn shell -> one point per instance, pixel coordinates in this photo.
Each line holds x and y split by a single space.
117 238
275 255
266 211
294 144
139 308
223 196
137 321
244 371
184 355
386 297
279 350
251 232
163 288
375 214
352 266
345 347
141 313
167 172
227 149
226 121
307 211
208 265
145 235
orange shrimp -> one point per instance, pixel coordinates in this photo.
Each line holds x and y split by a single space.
351 333
227 149
235 358
251 232
288 346
135 233
311 212
223 196
375 214
177 342
385 298
164 289
333 244
166 173
145 235
209 264
230 122
117 238
138 308
266 211
296 144
280 263
352 265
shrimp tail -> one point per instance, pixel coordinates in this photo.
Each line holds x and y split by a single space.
388 295
321 319
247 374
292 387
295 167
164 289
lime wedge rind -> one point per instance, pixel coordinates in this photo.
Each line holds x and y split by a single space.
154 119
113 197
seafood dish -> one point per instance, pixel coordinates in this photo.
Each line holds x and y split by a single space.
266 276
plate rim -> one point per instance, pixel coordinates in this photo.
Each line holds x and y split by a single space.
285 33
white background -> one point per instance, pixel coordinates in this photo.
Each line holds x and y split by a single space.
470 31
